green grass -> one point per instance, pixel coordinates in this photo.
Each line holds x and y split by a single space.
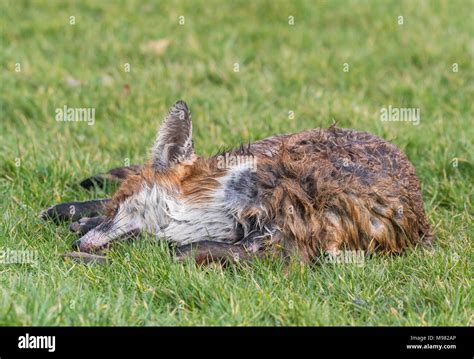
282 68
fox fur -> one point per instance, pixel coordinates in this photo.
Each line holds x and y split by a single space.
317 190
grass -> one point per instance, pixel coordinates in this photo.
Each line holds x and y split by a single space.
283 68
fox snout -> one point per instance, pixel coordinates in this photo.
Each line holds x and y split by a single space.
93 241
99 238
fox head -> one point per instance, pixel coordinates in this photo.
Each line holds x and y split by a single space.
143 201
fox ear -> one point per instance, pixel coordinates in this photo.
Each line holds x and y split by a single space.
174 143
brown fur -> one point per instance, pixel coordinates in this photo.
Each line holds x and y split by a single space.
319 190
147 175
372 204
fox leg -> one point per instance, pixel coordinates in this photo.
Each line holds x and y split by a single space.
206 252
73 211
118 174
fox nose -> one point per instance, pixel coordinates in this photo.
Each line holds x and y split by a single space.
81 246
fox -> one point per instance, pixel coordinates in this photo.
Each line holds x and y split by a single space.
304 194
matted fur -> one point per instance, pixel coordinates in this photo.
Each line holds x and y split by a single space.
318 190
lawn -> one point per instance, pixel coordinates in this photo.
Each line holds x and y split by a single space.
247 70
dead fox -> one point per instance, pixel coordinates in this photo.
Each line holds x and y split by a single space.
306 193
